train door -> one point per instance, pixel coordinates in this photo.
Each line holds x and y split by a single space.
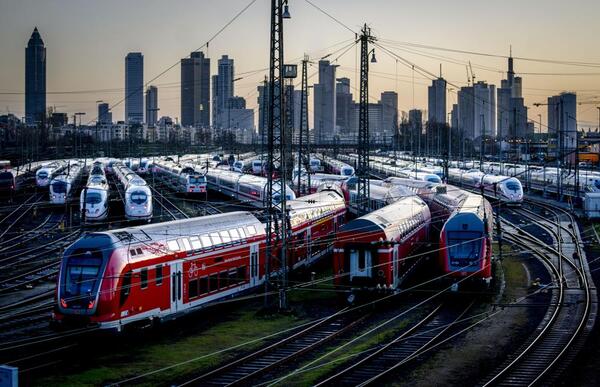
254 265
396 266
360 263
308 243
176 286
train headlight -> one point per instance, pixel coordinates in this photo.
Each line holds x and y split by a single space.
91 304
63 303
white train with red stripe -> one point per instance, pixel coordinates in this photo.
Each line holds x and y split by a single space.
159 271
371 251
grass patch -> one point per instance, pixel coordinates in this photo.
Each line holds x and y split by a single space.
241 326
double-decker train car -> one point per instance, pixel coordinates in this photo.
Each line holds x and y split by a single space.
137 194
156 272
466 239
62 184
370 251
181 178
247 188
338 167
12 180
93 200
46 173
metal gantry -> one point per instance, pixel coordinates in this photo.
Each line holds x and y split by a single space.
304 135
277 219
362 166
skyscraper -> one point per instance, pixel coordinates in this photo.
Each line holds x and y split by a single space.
195 90
477 110
325 102
134 87
389 114
35 79
222 91
104 114
263 110
562 120
512 112
151 105
344 113
437 102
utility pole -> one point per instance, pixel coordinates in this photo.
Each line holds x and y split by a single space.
362 171
277 219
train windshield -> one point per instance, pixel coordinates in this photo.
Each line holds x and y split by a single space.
464 244
59 187
6 179
81 274
93 198
42 175
196 179
139 197
512 185
347 172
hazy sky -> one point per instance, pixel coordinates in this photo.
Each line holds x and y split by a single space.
87 42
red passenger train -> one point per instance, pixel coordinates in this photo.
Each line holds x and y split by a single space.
154 272
370 251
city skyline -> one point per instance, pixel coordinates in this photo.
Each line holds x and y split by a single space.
103 77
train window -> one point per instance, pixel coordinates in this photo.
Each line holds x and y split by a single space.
361 261
186 244
144 278
241 274
234 234
213 282
223 279
205 241
193 286
215 238
195 243
203 285
225 236
233 277
173 246
251 230
242 232
159 275
125 288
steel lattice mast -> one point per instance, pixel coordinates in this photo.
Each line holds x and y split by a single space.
304 142
362 167
276 185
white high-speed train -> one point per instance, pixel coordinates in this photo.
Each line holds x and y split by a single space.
504 188
62 184
46 173
93 200
182 178
138 197
247 188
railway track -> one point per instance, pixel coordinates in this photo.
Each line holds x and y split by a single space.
247 368
385 359
570 315
11 219
167 205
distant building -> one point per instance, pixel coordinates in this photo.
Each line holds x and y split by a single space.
324 118
35 79
263 111
104 114
134 88
477 110
511 112
151 105
236 103
389 114
59 119
437 101
195 90
415 123
562 120
222 91
343 106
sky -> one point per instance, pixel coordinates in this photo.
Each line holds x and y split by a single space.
87 41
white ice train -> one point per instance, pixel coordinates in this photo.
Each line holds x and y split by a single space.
93 200
315 165
181 178
247 188
46 173
61 185
137 194
504 188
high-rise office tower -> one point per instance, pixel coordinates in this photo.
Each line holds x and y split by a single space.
437 102
35 79
511 111
562 120
477 110
195 90
151 105
263 110
344 109
389 114
104 114
222 91
325 102
134 87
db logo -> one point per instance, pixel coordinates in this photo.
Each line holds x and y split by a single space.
193 270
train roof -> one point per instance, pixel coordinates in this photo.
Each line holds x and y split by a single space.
161 232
